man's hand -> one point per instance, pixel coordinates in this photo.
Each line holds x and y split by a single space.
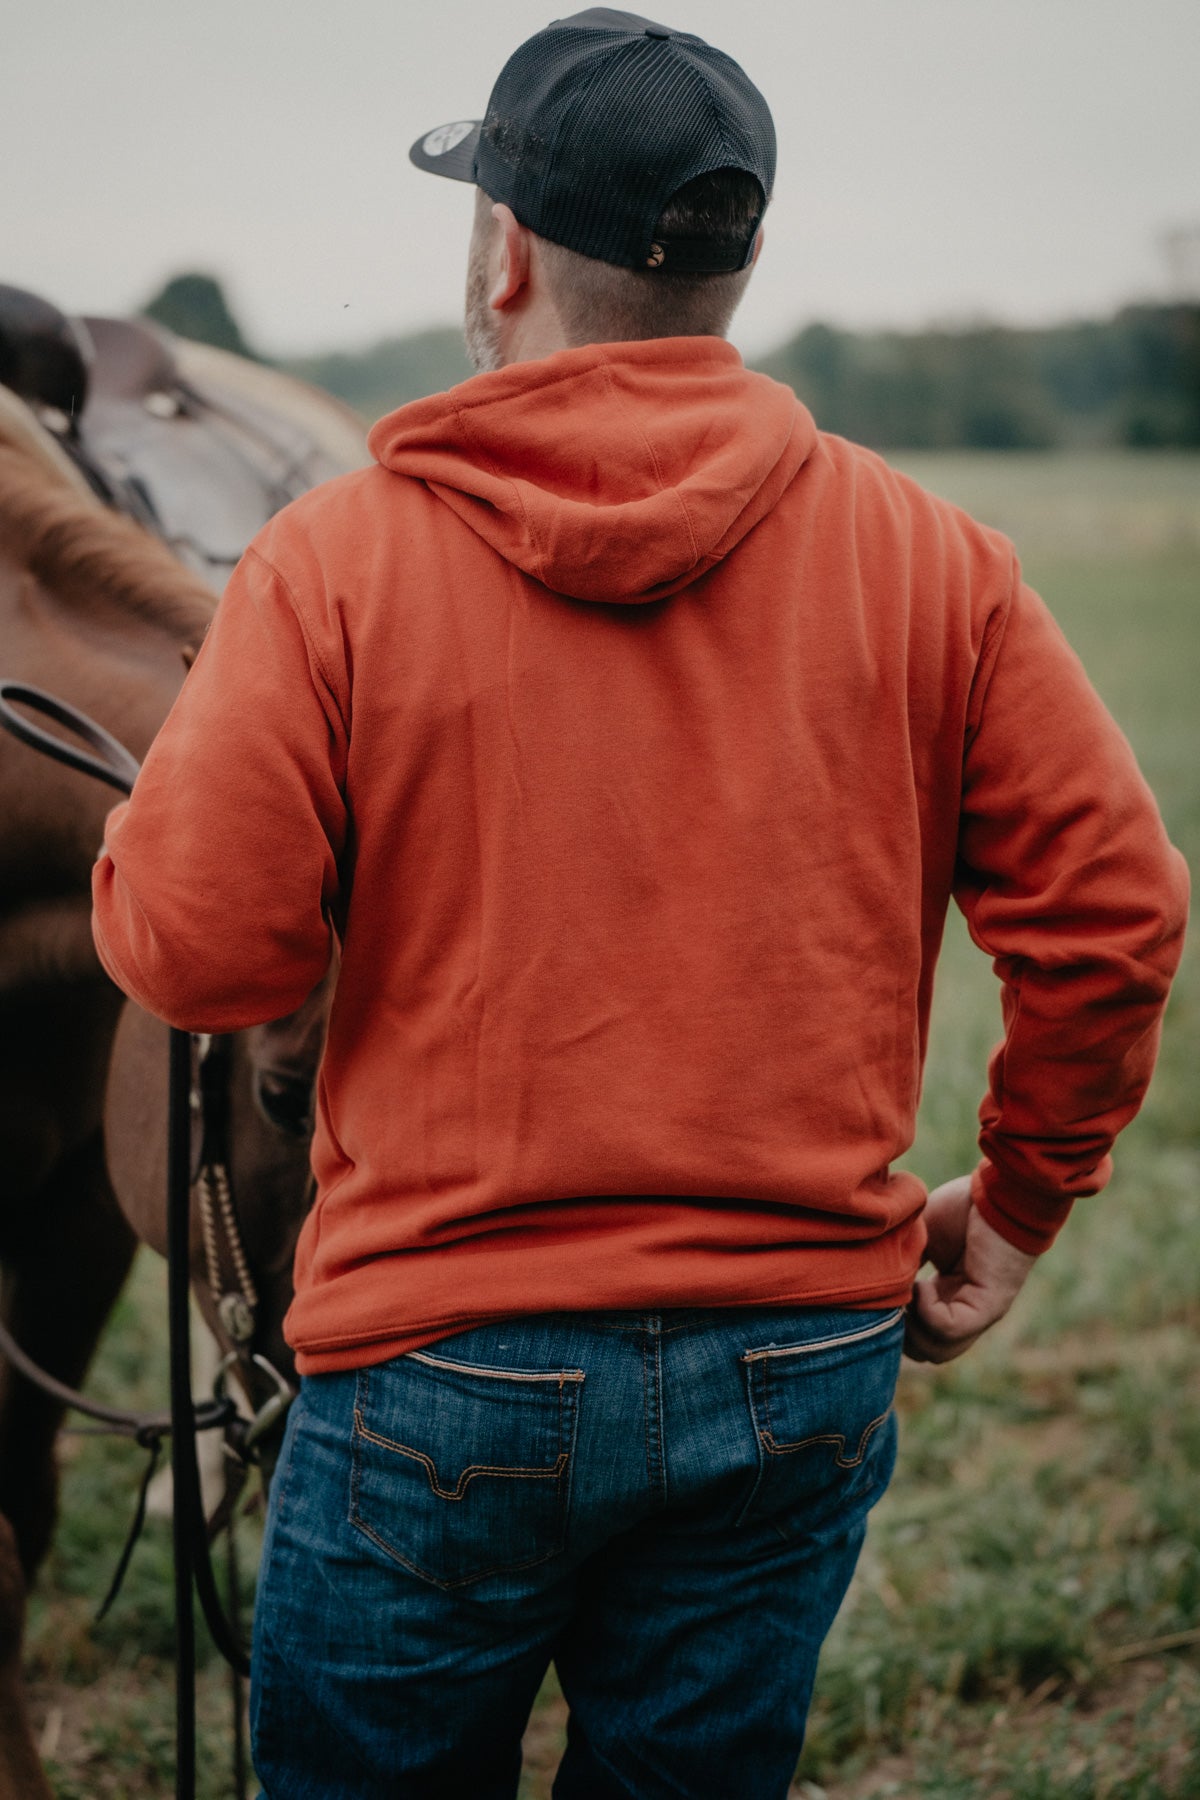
979 1276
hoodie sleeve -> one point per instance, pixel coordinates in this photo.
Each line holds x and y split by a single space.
1067 880
213 894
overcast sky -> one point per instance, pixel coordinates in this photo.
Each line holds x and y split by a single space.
938 159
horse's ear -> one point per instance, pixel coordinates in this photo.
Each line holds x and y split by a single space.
189 654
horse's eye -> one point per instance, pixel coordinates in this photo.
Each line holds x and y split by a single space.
286 1102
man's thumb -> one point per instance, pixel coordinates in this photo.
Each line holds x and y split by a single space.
946 1213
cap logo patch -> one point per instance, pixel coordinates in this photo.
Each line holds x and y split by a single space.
446 137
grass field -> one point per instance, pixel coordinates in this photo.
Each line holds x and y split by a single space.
1026 1619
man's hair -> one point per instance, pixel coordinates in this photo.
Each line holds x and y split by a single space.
600 303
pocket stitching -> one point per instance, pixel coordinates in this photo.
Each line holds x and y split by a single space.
773 1448
758 1387
829 1343
460 1368
562 1473
512 1472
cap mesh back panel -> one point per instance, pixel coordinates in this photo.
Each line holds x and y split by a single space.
622 123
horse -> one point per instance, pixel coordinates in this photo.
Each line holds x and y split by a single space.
77 588
106 616
269 1090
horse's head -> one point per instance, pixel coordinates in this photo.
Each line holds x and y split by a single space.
284 1056
268 1085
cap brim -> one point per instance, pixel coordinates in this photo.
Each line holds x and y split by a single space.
449 149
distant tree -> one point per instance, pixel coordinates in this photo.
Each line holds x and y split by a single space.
392 372
194 306
1160 405
998 402
1133 379
925 390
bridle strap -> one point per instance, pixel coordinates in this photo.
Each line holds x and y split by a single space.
142 1427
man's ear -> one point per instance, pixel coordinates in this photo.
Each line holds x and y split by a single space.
512 272
758 244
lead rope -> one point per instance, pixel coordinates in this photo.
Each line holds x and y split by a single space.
186 1509
237 1311
237 1685
236 1308
152 1442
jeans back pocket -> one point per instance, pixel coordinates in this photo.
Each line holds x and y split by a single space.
459 1471
822 1412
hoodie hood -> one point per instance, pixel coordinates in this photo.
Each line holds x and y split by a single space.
615 472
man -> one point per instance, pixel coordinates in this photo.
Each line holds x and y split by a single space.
631 738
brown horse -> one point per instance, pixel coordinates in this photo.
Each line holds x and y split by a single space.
95 610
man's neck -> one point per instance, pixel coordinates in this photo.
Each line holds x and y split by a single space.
535 332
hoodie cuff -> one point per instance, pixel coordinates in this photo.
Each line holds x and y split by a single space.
1028 1218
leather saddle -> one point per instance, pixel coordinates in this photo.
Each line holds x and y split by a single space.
198 445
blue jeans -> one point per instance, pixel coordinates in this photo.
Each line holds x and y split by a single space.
668 1506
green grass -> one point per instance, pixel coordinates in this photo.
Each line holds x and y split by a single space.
103 1693
1094 505
1019 1624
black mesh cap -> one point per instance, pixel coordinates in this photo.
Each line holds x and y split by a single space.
594 124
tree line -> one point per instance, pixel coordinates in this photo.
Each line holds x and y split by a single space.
1132 380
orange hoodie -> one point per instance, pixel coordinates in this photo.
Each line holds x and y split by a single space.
632 737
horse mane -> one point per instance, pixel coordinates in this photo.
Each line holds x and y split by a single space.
76 549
